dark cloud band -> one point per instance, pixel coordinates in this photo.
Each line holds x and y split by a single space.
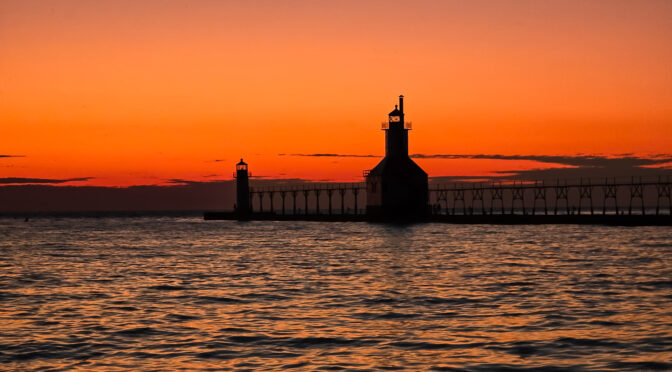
50 181
556 166
576 160
327 155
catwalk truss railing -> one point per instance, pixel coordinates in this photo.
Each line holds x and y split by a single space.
309 193
560 197
633 195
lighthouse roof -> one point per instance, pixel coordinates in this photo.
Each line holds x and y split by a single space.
399 168
395 112
241 162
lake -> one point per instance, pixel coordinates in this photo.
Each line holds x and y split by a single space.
169 293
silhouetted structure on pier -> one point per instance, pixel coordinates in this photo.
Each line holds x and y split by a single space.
397 188
243 200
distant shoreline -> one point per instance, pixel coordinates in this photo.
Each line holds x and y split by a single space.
101 214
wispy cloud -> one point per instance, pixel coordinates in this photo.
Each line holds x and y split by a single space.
12 156
580 160
21 180
618 171
568 167
577 160
329 155
554 166
179 181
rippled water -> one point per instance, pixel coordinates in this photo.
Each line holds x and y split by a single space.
182 293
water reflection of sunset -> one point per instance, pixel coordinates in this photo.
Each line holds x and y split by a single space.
182 293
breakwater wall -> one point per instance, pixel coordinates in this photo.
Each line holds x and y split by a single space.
496 219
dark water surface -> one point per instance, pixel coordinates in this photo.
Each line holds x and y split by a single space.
182 293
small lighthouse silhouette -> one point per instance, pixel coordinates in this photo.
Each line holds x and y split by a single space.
397 188
242 206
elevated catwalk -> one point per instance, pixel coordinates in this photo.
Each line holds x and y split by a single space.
627 201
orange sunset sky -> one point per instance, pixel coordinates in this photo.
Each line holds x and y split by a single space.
140 92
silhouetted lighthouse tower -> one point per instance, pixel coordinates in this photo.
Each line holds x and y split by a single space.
397 187
396 132
242 189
